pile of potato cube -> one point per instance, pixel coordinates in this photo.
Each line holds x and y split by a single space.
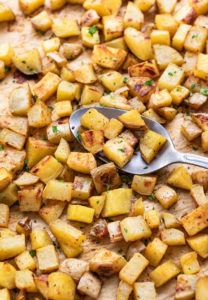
156 69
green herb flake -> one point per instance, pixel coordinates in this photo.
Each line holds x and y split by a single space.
32 253
50 107
1 147
97 202
70 57
25 165
125 229
194 148
44 138
152 197
145 168
7 69
187 112
193 86
92 30
79 136
61 180
204 92
146 242
179 89
125 79
101 105
32 70
40 31
120 250
54 129
121 149
191 94
108 186
124 256
58 160
112 95
148 82
194 36
34 98
113 58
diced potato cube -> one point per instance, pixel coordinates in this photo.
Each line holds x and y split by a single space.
196 220
200 7
47 258
201 120
185 287
173 237
39 115
42 21
6 14
115 233
164 273
20 100
112 27
81 162
144 185
90 37
74 267
51 211
137 208
51 45
166 7
180 36
166 55
57 190
94 120
185 14
5 178
61 286
145 290
144 5
133 269
11 138
67 74
47 86
117 202
89 18
84 73
59 129
5 294
93 140
57 58
166 22
180 178
113 128
189 263
9 195
134 228
166 196
178 94
103 8
70 251
108 57
133 120
11 246
47 169
115 101
168 113
161 37
13 161
30 198
90 94
150 113
170 220
112 80
118 150
204 141
40 238
105 177
63 150
201 20
199 243
4 215
37 149
152 218
117 43
161 99
97 203
106 263
25 261
67 233
29 6
29 62
144 69
24 280
201 288
200 68
66 28
124 290
139 43
6 51
133 16
80 213
24 226
190 130
171 77
57 4
89 285
82 187
155 251
196 38
7 275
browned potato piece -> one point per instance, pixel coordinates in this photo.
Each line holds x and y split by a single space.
166 196
93 140
196 100
143 184
133 120
142 87
201 178
105 177
81 162
190 130
144 69
24 226
201 119
90 18
30 198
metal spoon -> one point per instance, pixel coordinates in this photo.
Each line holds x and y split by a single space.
166 156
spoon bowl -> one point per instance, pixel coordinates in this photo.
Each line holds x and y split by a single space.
166 156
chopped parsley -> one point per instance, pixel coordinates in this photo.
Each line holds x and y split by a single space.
25 165
187 112
92 30
193 86
70 57
121 149
54 129
191 94
152 196
98 201
145 168
194 148
40 31
44 138
34 98
113 58
194 36
79 136
50 107
32 70
171 73
108 186
125 79
1 147
120 250
58 160
179 89
81 227
125 229
148 82
61 180
112 95
204 92
7 69
32 253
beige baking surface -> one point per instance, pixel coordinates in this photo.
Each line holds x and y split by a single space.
23 37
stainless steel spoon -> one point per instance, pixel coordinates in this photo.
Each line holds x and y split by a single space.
166 156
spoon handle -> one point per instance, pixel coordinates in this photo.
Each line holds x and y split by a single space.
193 159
